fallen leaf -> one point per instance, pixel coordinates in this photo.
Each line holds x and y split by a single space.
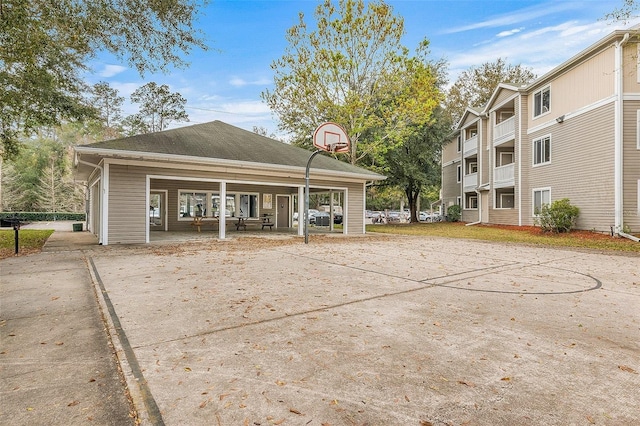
187 369
59 343
55 298
280 383
627 369
425 423
279 422
73 403
470 384
506 379
204 403
294 411
590 420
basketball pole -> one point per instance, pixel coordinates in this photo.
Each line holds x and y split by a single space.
306 196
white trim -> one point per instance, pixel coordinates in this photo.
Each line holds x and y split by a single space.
148 202
222 219
452 162
533 151
301 217
345 210
533 98
573 114
496 107
104 220
533 198
147 158
638 123
518 187
459 174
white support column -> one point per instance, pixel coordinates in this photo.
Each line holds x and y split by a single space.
331 210
104 220
301 211
222 209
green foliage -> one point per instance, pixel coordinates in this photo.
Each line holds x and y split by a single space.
43 216
45 47
415 164
474 87
454 213
353 70
40 179
559 216
158 108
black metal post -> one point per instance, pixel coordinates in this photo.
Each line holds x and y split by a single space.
306 197
16 229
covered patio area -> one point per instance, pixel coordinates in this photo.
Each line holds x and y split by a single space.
212 178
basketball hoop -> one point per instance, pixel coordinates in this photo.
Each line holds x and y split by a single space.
337 147
331 137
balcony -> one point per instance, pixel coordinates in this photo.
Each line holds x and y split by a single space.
471 146
470 182
503 176
504 131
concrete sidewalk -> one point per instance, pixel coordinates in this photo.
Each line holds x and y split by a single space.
57 365
343 331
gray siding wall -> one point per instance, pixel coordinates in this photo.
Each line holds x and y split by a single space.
581 168
451 189
128 212
631 168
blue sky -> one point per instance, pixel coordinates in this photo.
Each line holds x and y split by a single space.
246 36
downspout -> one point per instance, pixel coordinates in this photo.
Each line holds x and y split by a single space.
618 141
95 166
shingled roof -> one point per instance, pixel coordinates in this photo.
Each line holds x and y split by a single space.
218 140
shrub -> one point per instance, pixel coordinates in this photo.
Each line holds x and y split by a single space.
42 216
559 216
454 213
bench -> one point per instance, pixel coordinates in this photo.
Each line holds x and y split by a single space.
242 223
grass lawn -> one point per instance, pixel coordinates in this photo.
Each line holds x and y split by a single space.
514 234
29 241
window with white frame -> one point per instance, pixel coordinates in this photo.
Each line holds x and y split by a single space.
472 167
638 128
459 173
207 204
541 101
471 201
506 158
459 201
542 150
459 143
505 199
541 196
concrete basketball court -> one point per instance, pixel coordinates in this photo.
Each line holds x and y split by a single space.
374 331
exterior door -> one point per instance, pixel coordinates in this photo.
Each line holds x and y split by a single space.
282 212
157 210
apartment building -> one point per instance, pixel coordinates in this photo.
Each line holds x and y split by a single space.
572 133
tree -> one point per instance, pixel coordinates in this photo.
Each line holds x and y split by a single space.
158 108
45 47
353 70
474 87
625 12
415 165
108 103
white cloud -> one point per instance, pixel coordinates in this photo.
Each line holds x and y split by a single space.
509 32
240 82
111 70
516 17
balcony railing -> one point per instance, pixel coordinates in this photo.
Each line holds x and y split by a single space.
471 146
505 130
470 181
504 176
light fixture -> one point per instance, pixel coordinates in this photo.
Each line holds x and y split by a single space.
560 119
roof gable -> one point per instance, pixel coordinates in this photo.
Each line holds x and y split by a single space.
218 140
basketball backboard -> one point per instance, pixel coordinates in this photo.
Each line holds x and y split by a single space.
331 137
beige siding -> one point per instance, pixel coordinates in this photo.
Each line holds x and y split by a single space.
128 210
581 167
631 168
503 217
589 82
503 95
630 74
450 151
451 189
